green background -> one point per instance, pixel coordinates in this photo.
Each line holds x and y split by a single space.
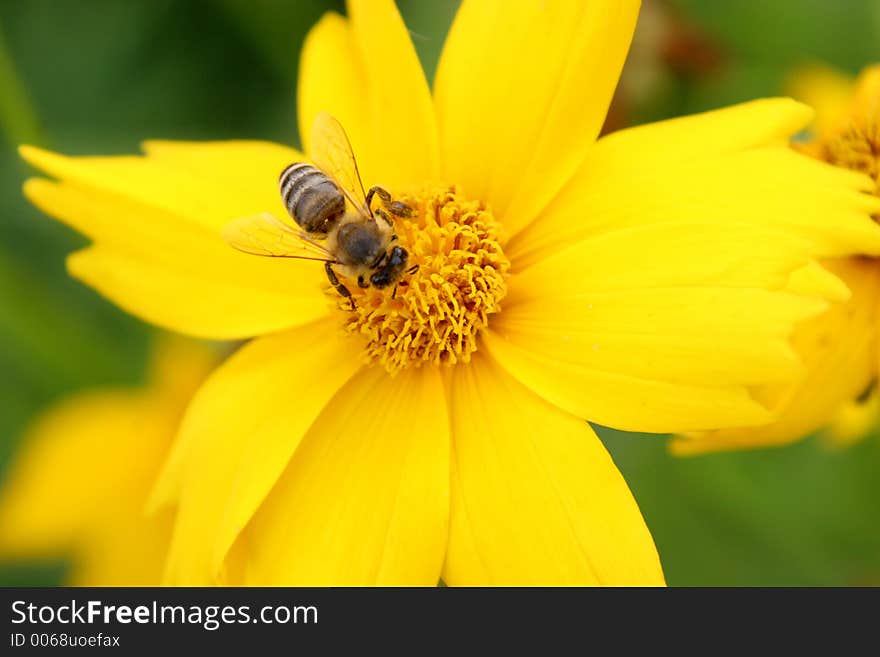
99 76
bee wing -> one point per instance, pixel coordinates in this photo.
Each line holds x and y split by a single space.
332 153
265 235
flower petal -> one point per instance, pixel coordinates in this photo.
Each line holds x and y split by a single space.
839 350
175 273
247 169
826 90
536 499
712 166
238 435
521 92
866 99
365 72
742 127
853 421
662 326
129 551
81 477
331 79
207 184
365 499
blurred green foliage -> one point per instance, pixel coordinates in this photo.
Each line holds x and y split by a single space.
760 42
99 76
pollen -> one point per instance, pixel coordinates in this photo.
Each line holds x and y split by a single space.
857 147
437 312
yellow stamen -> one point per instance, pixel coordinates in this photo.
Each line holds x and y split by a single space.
857 148
855 144
437 312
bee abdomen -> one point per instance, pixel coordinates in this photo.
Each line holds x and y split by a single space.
311 198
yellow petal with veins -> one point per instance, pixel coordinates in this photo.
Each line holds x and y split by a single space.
247 169
536 499
176 273
674 170
238 434
814 280
742 127
365 72
521 92
331 79
839 353
661 326
195 182
365 499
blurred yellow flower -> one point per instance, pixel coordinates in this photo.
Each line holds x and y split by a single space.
647 281
79 484
840 347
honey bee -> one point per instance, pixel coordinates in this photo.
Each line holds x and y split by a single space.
338 225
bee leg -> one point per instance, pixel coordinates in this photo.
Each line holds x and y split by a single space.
400 209
412 270
397 208
384 217
331 275
362 282
344 291
394 291
381 193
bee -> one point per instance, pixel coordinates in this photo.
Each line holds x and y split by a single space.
336 220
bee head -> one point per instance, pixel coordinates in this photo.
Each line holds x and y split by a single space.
391 269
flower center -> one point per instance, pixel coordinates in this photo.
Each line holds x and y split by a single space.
857 148
436 314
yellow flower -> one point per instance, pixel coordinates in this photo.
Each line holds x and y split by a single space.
79 484
647 281
840 347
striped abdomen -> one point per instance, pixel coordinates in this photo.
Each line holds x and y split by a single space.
311 198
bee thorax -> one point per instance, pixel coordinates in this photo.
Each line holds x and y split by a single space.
359 244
